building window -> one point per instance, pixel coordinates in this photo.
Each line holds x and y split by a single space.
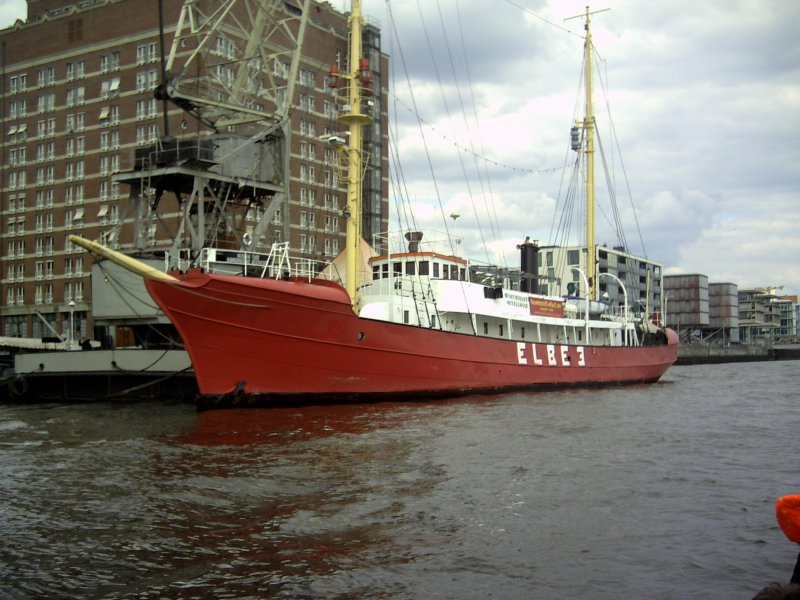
75 30
47 76
307 77
307 102
280 68
329 109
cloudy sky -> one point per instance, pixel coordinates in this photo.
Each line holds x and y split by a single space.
10 11
704 98
705 103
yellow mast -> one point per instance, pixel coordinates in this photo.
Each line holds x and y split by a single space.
588 127
588 124
352 116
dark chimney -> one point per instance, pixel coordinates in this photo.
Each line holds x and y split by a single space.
529 265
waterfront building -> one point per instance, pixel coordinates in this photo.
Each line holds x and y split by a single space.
561 270
759 316
789 309
77 104
687 304
723 312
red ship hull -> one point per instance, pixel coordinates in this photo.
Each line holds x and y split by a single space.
262 338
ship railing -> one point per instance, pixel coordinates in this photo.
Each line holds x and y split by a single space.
615 311
276 264
404 286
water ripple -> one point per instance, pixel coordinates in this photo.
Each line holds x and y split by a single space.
666 491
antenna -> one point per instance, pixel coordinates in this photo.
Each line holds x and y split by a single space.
587 14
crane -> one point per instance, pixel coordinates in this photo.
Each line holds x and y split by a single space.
769 290
233 166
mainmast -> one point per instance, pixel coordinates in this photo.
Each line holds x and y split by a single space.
588 126
351 115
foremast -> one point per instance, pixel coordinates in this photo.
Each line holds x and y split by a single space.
351 115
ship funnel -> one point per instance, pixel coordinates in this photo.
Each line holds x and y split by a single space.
413 238
529 266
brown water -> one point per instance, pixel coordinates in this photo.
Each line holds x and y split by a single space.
663 491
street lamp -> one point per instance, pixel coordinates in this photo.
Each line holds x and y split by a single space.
71 323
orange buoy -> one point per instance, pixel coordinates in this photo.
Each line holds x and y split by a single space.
787 510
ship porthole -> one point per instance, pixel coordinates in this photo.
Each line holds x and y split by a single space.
361 335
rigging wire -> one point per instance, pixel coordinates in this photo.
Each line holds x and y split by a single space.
541 18
393 28
466 124
478 183
622 163
447 111
397 180
126 293
559 234
493 219
479 155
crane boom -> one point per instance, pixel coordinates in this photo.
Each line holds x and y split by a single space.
206 77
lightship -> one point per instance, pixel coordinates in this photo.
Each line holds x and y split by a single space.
418 327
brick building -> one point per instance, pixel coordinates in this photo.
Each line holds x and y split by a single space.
77 103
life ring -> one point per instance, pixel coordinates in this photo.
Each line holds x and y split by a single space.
18 387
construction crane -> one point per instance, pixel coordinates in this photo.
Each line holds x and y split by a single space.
769 290
230 176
